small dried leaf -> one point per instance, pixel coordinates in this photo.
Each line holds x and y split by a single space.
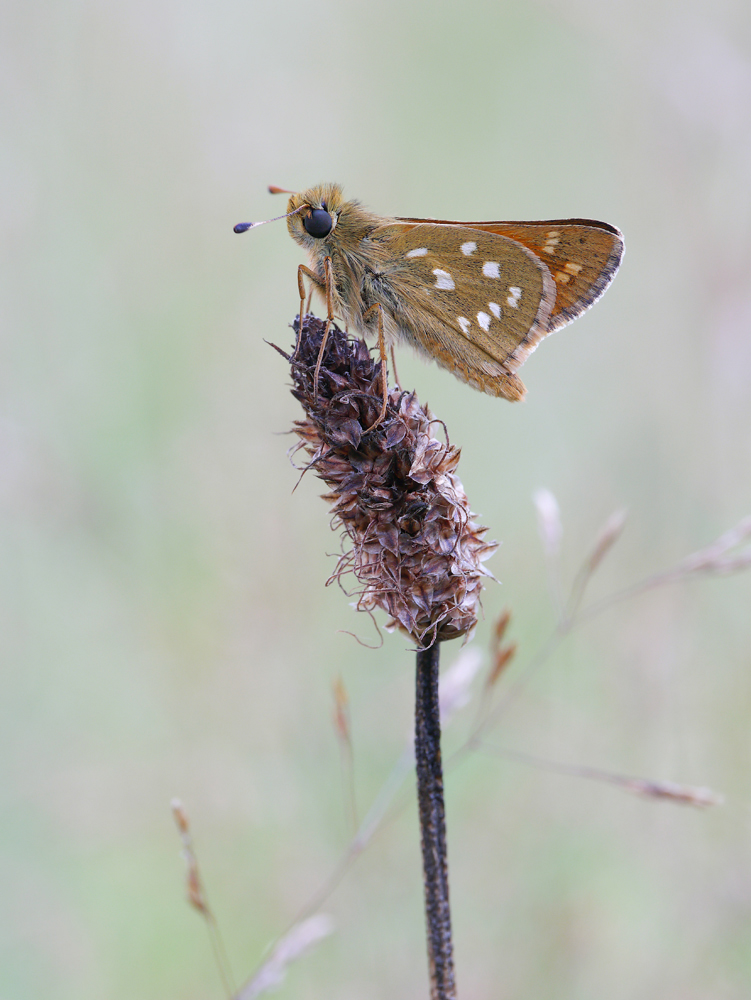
710 558
501 624
180 816
292 946
195 893
608 536
502 659
341 710
687 794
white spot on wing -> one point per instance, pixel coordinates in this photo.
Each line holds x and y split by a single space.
491 269
464 323
468 248
443 280
484 320
551 241
420 252
514 296
495 309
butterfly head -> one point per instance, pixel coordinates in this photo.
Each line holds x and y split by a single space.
316 215
323 222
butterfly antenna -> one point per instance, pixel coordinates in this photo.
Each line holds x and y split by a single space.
243 227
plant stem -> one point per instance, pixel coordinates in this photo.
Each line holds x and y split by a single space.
433 825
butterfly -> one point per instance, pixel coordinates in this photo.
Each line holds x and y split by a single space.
476 297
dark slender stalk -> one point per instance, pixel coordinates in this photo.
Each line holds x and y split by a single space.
433 825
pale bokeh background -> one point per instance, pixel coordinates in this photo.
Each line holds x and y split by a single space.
164 622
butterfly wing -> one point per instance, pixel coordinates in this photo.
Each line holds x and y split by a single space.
477 302
582 255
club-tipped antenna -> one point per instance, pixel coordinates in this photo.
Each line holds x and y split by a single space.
243 227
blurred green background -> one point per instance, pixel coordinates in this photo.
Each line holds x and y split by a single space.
164 621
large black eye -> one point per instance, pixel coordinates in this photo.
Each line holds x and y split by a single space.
318 223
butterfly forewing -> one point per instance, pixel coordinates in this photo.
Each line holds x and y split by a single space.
487 287
583 256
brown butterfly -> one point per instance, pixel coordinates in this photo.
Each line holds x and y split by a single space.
477 297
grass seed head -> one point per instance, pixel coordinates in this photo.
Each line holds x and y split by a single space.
409 536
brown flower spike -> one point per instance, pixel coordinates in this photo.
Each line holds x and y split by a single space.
414 548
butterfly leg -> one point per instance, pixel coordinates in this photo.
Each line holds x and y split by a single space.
302 273
378 309
393 366
328 284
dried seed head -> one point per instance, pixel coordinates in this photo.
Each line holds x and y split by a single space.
413 546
